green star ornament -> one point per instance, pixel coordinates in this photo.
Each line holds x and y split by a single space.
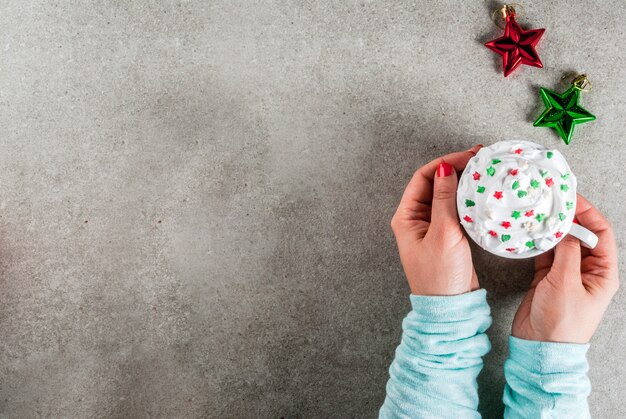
563 111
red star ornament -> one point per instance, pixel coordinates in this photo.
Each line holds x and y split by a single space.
517 46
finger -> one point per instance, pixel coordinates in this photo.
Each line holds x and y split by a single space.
543 263
589 217
444 197
419 192
567 255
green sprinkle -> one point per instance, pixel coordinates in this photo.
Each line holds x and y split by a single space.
521 194
506 237
469 203
481 189
496 161
515 185
562 216
491 171
540 217
564 187
549 154
534 183
544 173
569 205
516 214
565 176
530 244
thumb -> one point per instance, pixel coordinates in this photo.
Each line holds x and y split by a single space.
444 196
567 256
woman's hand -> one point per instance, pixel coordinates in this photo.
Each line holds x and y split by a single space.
572 286
434 252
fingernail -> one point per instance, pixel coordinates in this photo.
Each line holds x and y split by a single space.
444 170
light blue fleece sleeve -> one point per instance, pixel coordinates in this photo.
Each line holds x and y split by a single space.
434 372
546 380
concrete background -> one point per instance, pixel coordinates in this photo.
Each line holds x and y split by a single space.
195 196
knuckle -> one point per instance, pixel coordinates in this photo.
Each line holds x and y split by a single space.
443 194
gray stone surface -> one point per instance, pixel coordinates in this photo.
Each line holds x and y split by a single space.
195 195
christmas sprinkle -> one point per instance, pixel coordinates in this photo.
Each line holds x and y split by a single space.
496 161
506 224
530 244
480 189
521 194
549 154
506 237
540 217
529 213
468 219
469 203
544 173
569 205
565 176
476 176
564 187
510 249
497 195
491 171
562 216
515 185
534 183
513 172
516 214
549 182
493 233
558 234
518 151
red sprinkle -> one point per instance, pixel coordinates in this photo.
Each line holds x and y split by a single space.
558 235
468 219
518 151
510 249
513 172
549 181
493 233
497 195
506 224
529 213
476 176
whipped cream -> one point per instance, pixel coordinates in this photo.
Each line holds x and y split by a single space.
517 199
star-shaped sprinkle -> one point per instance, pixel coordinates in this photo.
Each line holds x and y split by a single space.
513 172
534 183
562 216
518 151
506 224
549 182
558 234
530 244
569 205
562 113
540 217
565 176
544 173
516 214
497 194
517 46
564 187
480 189
529 213
476 176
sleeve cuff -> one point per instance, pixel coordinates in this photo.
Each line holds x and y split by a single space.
549 357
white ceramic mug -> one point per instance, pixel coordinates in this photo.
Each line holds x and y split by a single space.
517 199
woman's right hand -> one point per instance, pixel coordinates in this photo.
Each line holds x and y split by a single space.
572 287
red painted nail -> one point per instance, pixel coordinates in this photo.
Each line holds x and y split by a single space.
444 170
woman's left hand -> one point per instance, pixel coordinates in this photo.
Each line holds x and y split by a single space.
434 252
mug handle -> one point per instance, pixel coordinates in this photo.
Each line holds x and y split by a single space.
586 237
